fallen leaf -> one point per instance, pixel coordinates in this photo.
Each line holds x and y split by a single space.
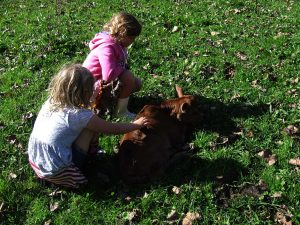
272 160
12 175
291 130
54 206
56 192
172 216
256 85
242 56
175 28
27 116
176 190
190 217
293 92
229 70
277 195
295 162
236 11
48 222
12 139
219 141
268 157
249 134
235 96
283 218
295 81
155 221
145 195
214 33
1 206
134 214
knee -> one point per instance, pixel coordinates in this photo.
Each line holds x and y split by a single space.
129 81
138 84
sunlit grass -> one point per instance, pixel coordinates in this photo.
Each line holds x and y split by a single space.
240 57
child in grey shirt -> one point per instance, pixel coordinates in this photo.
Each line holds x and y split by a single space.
66 127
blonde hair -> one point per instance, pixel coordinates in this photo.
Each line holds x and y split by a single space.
71 87
123 25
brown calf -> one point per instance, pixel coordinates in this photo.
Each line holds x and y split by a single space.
146 153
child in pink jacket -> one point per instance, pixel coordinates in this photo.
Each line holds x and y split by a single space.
108 57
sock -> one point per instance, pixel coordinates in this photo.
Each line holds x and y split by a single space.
122 105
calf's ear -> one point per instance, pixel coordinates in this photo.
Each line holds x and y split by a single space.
183 107
179 91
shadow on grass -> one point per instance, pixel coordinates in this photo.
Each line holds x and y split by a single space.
218 118
190 170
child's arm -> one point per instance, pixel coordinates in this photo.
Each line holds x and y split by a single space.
110 65
99 125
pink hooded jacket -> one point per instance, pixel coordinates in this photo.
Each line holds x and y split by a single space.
107 58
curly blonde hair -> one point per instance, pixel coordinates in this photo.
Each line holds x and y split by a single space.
71 87
123 25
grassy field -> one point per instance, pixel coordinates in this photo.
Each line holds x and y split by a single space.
241 57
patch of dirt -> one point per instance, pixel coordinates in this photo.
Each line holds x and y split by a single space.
224 193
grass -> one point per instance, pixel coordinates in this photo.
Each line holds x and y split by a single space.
241 57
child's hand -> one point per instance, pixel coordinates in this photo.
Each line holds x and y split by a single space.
142 121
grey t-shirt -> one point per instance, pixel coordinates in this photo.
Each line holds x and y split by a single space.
50 143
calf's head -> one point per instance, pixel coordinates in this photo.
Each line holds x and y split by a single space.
185 108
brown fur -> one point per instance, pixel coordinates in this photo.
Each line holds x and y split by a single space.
146 153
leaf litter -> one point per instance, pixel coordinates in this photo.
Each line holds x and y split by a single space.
268 157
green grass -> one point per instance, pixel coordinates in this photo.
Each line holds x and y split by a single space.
258 40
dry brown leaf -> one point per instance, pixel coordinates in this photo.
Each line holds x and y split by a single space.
242 56
293 92
249 134
173 215
27 116
291 130
12 139
134 214
190 217
272 160
155 221
145 195
295 81
268 157
295 162
221 140
48 222
175 28
277 195
12 175
235 96
264 153
283 218
176 190
1 206
236 11
214 33
54 206
56 192
127 198
229 70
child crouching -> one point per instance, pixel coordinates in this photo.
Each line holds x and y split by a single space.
66 128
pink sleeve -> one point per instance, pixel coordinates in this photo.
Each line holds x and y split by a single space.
111 67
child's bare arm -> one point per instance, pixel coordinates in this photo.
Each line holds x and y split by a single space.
97 124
